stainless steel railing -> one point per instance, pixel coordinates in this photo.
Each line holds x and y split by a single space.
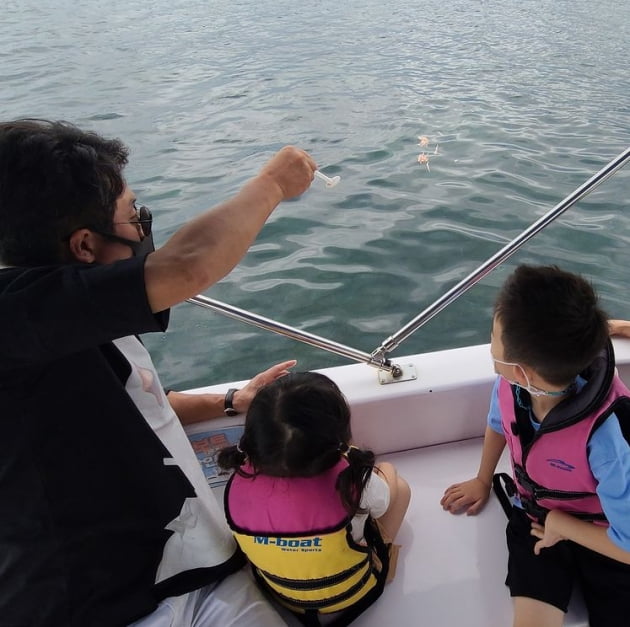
297 334
498 258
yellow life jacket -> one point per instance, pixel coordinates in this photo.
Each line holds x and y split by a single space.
297 535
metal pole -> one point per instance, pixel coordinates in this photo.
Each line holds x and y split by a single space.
509 249
296 334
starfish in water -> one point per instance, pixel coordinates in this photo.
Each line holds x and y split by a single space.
423 159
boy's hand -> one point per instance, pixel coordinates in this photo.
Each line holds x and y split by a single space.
547 534
470 495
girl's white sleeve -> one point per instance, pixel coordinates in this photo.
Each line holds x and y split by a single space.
375 498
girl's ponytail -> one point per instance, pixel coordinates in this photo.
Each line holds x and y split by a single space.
353 479
232 458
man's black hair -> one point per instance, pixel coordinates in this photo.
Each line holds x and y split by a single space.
54 179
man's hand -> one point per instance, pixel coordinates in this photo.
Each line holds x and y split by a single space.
291 169
243 397
619 327
470 496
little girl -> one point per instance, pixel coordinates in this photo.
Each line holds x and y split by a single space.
303 501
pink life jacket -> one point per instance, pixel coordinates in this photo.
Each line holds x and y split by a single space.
550 466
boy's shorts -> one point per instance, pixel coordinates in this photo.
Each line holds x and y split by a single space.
550 576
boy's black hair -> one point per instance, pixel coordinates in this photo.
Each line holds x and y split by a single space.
551 322
299 426
54 179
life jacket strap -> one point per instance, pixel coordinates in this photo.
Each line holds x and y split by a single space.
505 491
321 604
315 584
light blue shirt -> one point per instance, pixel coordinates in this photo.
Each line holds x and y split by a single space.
609 459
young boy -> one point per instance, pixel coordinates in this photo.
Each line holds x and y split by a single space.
565 417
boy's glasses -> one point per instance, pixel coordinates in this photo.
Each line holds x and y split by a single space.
144 220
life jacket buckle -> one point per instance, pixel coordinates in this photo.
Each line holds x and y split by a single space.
534 510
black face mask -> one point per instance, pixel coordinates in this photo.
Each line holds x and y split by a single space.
139 248
143 248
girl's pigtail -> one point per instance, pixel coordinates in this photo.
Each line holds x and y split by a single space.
353 479
232 457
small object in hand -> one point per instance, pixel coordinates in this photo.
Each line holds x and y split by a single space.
330 182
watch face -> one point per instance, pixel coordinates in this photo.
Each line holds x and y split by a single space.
229 411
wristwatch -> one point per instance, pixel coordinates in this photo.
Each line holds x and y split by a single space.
228 408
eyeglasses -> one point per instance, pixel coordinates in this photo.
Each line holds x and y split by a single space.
144 220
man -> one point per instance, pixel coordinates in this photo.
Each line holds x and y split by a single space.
106 518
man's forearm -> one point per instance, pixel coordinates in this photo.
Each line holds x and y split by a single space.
191 408
205 249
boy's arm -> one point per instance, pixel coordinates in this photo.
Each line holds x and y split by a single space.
473 494
609 460
562 526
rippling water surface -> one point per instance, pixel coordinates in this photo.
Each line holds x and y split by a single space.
526 100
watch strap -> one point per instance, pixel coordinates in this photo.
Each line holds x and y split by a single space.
228 406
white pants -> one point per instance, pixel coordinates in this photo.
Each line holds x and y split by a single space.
234 602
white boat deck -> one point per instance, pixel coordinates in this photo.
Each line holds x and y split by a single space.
451 569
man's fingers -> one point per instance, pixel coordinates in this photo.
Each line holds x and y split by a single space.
283 367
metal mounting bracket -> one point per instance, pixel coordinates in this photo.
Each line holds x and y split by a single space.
407 373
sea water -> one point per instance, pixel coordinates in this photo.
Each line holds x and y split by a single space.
523 101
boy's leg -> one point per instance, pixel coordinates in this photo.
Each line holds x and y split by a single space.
605 587
399 497
541 585
533 613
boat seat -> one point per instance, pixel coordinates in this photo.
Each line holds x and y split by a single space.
451 568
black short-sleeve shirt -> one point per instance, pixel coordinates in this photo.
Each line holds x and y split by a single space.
84 493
